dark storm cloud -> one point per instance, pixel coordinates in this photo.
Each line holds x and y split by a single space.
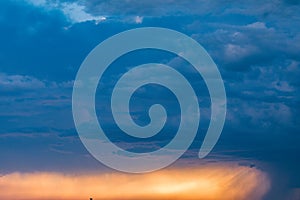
255 44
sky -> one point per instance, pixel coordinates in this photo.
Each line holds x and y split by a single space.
255 45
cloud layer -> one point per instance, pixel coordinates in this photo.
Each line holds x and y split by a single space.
208 182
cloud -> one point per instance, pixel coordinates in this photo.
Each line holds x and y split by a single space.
208 182
255 44
257 25
138 19
77 13
72 10
235 53
20 82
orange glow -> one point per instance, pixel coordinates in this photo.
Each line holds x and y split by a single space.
207 182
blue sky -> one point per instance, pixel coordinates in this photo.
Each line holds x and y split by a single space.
255 45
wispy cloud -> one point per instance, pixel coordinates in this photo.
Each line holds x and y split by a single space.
72 10
20 82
